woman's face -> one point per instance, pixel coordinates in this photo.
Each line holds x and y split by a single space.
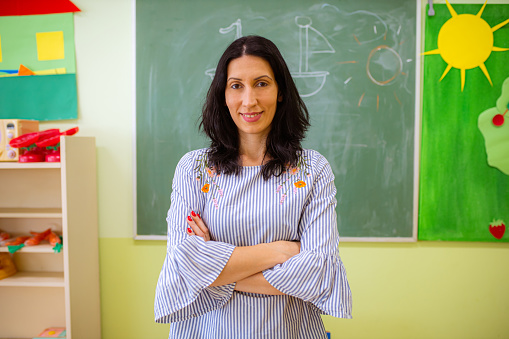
251 95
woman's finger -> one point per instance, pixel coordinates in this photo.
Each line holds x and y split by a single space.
194 228
201 225
198 230
189 231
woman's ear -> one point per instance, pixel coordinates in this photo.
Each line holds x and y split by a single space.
279 98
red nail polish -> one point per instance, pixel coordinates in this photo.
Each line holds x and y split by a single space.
189 218
189 230
199 216
193 214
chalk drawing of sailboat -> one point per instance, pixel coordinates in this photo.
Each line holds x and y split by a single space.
309 83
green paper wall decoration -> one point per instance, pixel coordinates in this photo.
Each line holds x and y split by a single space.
459 193
496 131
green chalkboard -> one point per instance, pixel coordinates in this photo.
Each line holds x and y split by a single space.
354 63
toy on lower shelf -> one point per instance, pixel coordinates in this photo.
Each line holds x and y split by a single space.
7 267
18 243
40 146
55 241
4 235
37 237
15 244
52 332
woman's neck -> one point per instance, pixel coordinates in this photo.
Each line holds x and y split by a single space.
252 151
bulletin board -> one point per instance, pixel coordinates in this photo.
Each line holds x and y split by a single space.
37 60
355 65
462 196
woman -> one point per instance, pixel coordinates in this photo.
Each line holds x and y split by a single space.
252 235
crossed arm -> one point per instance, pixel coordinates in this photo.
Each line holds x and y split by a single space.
246 263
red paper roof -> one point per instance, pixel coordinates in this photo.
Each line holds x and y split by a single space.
33 7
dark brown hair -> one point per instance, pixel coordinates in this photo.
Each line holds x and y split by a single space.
289 125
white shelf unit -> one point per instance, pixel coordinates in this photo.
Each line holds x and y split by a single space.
52 289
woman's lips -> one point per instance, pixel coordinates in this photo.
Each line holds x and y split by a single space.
251 117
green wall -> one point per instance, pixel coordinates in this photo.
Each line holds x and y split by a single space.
419 290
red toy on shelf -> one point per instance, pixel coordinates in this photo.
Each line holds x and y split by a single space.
4 236
41 146
16 241
37 237
54 240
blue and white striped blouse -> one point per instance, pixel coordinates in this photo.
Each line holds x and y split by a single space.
246 210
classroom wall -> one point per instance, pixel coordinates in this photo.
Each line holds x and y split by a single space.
416 290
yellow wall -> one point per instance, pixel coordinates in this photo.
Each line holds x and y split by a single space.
420 290
423 290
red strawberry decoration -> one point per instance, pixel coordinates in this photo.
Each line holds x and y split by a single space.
497 229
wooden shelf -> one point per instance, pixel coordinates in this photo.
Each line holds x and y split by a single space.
34 279
42 248
54 288
30 213
29 165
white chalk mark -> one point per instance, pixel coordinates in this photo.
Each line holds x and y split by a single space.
348 80
409 60
374 28
362 12
320 75
399 29
237 25
305 28
304 24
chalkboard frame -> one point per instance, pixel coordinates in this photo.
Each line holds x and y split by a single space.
417 141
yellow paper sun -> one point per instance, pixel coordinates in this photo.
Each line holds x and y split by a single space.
465 41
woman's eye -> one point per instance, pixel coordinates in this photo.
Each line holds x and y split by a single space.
262 84
235 86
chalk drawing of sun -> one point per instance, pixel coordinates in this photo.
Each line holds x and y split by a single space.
465 41
384 64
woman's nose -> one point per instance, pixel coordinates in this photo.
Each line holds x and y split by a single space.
249 97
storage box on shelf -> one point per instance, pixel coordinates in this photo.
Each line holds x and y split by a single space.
52 289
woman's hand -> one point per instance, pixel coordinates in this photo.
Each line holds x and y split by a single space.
287 248
196 226
247 260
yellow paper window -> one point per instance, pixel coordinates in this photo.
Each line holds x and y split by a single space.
50 45
0 48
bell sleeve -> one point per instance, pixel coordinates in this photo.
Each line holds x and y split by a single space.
317 274
191 264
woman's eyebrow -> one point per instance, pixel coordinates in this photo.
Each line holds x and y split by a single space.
258 78
263 76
